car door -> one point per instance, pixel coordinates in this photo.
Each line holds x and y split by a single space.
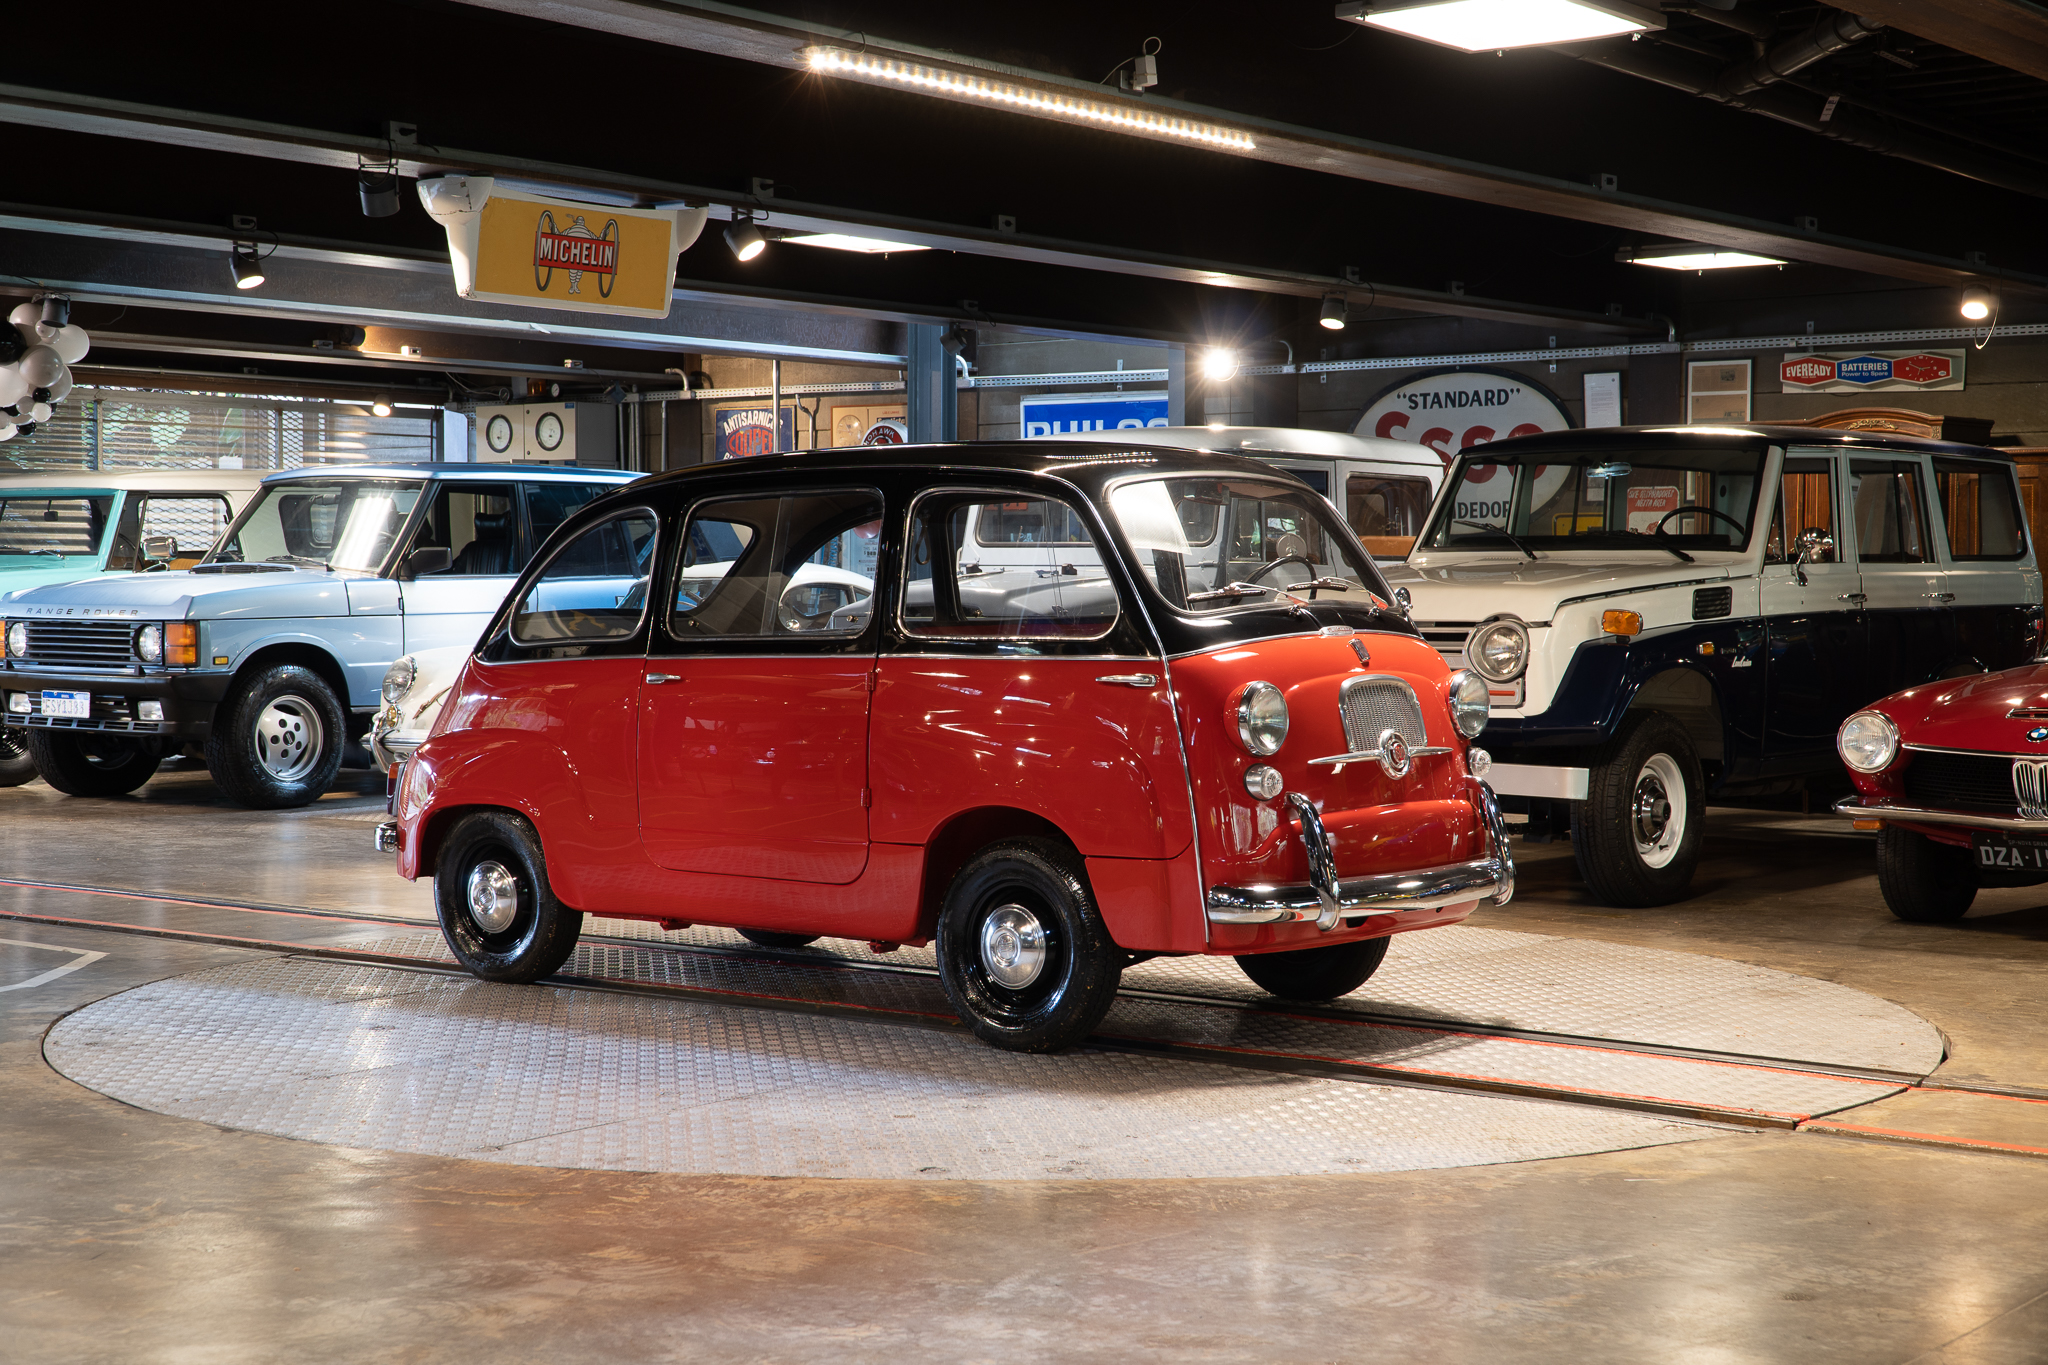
1905 589
1815 634
1995 590
753 724
477 524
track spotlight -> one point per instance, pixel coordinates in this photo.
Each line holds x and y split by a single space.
1979 304
1219 363
377 186
247 265
381 405
1336 312
744 238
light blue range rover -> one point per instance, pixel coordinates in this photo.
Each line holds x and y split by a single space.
269 652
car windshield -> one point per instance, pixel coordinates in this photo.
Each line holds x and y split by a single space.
1610 497
1207 544
319 523
54 525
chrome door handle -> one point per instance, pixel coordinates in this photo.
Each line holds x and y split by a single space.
1130 679
1940 596
664 677
1853 597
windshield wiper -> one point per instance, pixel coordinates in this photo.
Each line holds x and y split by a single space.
1230 590
1489 526
1659 538
1326 585
296 559
54 554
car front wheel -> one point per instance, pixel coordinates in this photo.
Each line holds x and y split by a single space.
1315 973
81 763
1924 882
16 765
1637 834
277 739
1023 955
497 908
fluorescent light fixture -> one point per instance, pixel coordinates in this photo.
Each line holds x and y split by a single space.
1219 363
840 241
1335 312
1979 304
998 90
1490 25
1691 256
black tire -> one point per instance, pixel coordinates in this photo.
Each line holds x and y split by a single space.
1316 973
1924 882
277 739
16 765
1637 834
1036 886
498 910
768 938
83 763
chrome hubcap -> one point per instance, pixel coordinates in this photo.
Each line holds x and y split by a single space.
493 897
289 738
1013 946
1657 813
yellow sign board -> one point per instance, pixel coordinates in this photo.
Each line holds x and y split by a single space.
511 247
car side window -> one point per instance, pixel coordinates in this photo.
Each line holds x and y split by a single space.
594 588
1891 519
1806 503
548 505
1029 568
801 564
476 524
1981 511
1387 511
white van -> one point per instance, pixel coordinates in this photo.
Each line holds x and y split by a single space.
1383 488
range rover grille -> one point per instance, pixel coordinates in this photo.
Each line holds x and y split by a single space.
1948 781
1371 705
82 644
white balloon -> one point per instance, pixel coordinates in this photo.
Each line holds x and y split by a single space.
26 315
12 385
72 343
6 431
60 390
38 412
42 365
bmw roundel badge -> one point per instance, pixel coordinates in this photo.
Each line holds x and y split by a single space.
2037 734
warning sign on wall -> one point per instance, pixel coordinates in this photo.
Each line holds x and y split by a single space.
1648 506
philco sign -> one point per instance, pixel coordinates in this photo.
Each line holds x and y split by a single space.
1457 410
512 247
1862 371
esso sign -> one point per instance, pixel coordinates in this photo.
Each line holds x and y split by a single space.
1456 411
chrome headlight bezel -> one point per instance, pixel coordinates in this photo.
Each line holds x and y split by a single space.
1868 741
17 639
398 679
1260 711
1503 629
149 643
1470 702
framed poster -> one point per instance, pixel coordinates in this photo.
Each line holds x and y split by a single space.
738 433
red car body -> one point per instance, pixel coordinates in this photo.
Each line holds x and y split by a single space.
840 794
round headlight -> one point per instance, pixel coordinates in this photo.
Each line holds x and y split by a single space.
1498 650
1470 703
1868 741
398 678
17 638
1261 713
149 644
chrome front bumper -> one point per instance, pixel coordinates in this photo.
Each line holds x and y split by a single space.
1328 901
386 837
1853 807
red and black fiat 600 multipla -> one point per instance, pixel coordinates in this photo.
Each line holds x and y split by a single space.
1954 777
1054 710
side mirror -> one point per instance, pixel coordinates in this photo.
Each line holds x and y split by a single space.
1814 546
159 547
1404 604
428 559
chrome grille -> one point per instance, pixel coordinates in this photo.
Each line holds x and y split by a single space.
82 644
1370 706
2030 785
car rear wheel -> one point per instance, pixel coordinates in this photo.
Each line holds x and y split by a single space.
497 909
1637 834
768 938
1924 882
1316 973
1023 954
277 739
16 766
81 763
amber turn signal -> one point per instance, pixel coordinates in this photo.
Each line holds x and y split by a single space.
1866 824
181 644
1621 622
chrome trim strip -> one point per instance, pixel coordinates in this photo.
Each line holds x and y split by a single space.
1289 635
1372 755
1853 808
1966 753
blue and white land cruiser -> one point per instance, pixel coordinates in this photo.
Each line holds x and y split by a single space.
269 652
1671 615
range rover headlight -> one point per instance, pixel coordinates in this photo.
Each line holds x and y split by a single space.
149 644
17 639
1261 714
398 678
1470 703
1868 741
1498 651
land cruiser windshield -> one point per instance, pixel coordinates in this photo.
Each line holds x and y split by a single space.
342 523
54 525
1210 545
1608 498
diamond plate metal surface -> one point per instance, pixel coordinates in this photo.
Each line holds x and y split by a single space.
553 1075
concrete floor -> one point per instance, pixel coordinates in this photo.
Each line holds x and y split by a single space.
130 1236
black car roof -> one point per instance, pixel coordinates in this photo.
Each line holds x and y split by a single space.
1717 436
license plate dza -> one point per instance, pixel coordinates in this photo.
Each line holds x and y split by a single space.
77 705
2016 852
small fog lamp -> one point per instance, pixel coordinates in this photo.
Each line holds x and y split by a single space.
1868 741
1262 782
17 702
1261 715
1478 762
149 709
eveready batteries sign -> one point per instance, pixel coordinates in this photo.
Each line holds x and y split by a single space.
1862 371
1459 409
510 247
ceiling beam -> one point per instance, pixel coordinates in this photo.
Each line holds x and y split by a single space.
749 35
2010 33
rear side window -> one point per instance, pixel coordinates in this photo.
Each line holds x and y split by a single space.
1891 521
962 586
1386 511
1981 509
65 525
594 589
778 566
